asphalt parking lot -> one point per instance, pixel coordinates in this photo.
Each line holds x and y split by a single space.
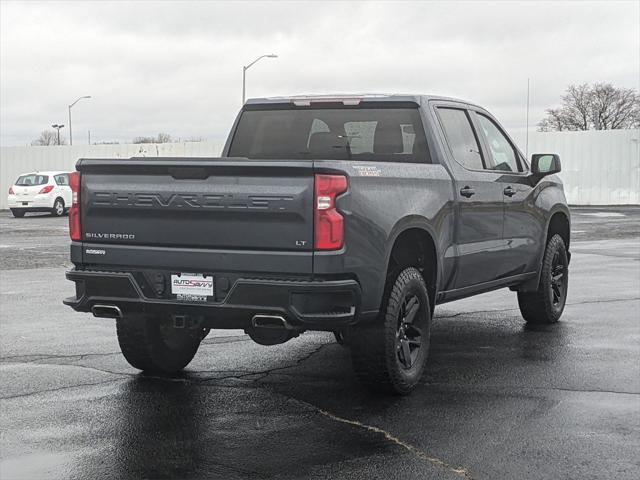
499 400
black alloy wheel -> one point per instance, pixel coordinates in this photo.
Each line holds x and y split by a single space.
389 354
546 304
409 335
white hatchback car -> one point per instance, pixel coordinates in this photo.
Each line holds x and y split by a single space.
40 192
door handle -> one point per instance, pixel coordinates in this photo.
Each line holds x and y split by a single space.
467 192
509 192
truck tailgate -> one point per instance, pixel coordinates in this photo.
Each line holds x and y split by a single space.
198 203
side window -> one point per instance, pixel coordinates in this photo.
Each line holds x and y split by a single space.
61 180
503 153
462 140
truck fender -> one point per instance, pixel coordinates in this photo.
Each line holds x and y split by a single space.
401 226
532 285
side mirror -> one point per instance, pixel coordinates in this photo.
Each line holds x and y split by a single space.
545 164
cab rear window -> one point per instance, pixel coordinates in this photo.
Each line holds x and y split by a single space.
363 133
34 179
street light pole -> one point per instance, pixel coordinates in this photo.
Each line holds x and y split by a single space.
58 127
244 73
244 83
70 134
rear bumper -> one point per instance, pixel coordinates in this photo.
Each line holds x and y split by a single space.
33 203
305 304
31 209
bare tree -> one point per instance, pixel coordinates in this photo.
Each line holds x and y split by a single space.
161 138
614 108
554 121
598 107
48 138
143 140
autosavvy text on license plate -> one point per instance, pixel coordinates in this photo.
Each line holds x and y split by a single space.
192 286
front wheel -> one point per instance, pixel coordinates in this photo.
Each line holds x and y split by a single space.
58 208
152 344
390 354
546 304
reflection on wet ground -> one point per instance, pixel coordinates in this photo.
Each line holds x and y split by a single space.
499 399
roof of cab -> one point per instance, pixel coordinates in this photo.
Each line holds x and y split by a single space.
363 97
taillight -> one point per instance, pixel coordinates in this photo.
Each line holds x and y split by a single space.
328 222
11 191
46 189
74 211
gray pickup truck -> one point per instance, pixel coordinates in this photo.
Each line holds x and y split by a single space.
351 214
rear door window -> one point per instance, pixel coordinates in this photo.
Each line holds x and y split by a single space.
362 133
33 179
62 180
461 137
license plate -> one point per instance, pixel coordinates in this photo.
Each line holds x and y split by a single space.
25 203
192 286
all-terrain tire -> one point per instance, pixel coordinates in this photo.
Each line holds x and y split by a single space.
546 304
152 345
342 337
18 213
376 348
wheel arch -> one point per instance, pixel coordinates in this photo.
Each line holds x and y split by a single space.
412 243
558 221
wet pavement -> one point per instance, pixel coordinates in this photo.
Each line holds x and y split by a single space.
499 400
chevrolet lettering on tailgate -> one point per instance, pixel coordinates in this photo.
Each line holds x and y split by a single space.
190 200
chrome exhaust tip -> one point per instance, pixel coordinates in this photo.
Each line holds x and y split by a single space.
263 320
106 311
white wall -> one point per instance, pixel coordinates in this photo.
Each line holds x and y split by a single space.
17 160
598 167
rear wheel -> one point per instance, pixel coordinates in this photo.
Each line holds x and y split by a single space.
58 208
342 337
390 355
18 213
152 344
546 304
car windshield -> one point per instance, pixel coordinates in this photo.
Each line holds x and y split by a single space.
32 179
333 133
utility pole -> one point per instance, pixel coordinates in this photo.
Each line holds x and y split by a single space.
58 127
526 148
247 67
70 134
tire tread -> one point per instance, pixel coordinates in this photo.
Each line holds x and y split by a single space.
373 346
536 307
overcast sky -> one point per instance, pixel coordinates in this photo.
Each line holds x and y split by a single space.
176 67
